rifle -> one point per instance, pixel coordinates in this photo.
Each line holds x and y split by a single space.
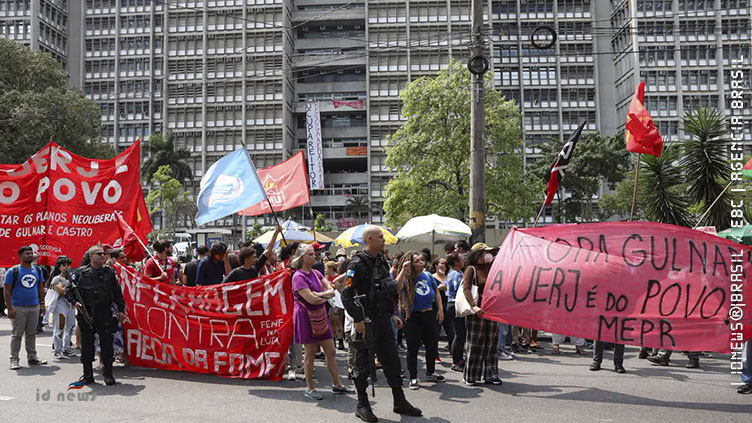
368 338
82 312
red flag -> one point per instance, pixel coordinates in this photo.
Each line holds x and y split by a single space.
641 134
131 244
286 186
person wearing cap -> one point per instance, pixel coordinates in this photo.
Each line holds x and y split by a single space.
319 254
482 335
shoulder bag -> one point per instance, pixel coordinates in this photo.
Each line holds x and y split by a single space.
461 305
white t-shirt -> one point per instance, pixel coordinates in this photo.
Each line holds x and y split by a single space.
63 305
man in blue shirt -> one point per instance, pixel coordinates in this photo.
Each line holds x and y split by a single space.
24 298
211 270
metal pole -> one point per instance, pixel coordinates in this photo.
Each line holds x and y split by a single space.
704 215
477 147
634 190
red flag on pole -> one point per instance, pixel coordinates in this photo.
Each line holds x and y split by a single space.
132 246
286 186
641 134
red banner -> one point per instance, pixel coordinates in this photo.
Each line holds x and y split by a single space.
286 186
636 283
237 330
61 203
355 104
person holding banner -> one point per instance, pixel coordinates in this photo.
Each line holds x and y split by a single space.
161 266
252 265
481 345
310 292
211 270
598 357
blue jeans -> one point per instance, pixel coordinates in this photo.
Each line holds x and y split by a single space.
747 363
503 331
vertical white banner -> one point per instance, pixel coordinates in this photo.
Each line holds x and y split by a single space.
313 146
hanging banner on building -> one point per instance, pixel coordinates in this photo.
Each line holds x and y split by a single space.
285 185
635 283
238 330
313 145
354 104
61 203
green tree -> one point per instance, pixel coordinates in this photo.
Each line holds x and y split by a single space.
36 106
163 152
169 197
320 225
255 231
357 206
705 162
661 184
430 152
596 158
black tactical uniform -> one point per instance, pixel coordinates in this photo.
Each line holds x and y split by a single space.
380 304
99 291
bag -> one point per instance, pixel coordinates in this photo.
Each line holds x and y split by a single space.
319 321
461 305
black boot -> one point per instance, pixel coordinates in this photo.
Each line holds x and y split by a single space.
107 373
363 409
401 406
341 344
595 366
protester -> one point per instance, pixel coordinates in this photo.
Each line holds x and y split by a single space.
161 266
481 344
272 264
439 273
191 269
62 313
454 281
663 356
418 294
211 270
746 388
462 247
557 340
24 298
369 267
251 265
310 292
318 249
97 286
598 357
2 303
337 310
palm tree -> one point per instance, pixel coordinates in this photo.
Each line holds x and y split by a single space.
661 188
162 151
357 206
705 161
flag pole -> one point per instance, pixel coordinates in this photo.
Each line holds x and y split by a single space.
711 206
247 156
539 214
634 190
146 249
313 221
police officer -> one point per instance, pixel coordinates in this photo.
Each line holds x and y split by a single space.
370 266
98 288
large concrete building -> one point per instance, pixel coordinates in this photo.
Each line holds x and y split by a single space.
215 72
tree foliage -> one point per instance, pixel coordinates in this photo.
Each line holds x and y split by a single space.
430 153
320 225
169 197
357 206
36 106
662 184
163 152
596 158
255 231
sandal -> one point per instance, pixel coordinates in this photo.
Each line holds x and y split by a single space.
580 350
555 350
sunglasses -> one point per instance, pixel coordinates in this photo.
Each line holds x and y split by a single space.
101 253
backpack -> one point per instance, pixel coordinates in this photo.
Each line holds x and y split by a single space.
14 269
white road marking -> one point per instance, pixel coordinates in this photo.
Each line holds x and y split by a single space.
6 398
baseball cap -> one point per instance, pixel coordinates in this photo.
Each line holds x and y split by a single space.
480 246
316 246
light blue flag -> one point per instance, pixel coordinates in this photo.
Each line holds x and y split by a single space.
231 184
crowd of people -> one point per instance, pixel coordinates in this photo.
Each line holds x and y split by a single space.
409 299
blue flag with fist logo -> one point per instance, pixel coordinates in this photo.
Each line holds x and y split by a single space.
231 184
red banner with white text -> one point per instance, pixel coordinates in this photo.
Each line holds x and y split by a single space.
237 330
60 203
635 283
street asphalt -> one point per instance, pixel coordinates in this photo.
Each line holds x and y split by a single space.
537 387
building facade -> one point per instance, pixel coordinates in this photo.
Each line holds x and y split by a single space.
217 73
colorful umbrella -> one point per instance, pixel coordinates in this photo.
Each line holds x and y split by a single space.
433 228
354 236
742 235
293 232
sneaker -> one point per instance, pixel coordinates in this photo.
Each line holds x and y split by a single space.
456 368
60 356
344 389
493 381
468 382
692 364
414 384
14 365
36 362
433 377
505 356
69 354
744 389
618 368
659 360
595 366
314 394
291 376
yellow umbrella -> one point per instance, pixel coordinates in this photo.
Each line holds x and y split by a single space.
354 236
